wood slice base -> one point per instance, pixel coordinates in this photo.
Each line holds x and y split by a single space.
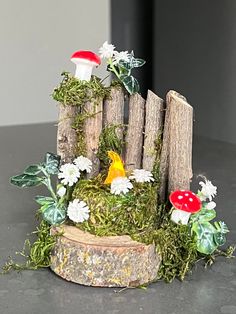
115 261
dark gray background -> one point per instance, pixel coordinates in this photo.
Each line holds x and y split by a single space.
190 47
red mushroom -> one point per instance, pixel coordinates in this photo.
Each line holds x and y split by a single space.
185 203
85 61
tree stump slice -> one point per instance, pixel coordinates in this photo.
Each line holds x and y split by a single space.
153 128
134 138
92 131
115 261
66 134
114 110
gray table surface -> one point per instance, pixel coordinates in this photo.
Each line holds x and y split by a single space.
35 292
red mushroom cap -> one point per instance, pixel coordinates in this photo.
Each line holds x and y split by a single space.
86 55
185 200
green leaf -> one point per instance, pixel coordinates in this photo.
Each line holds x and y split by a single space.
32 170
219 238
203 215
53 213
125 65
205 237
130 83
221 227
52 163
25 180
136 62
44 200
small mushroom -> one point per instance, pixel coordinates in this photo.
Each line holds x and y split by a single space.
85 61
185 203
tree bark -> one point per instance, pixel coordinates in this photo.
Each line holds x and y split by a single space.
181 133
92 131
134 138
114 110
164 160
115 261
66 134
153 128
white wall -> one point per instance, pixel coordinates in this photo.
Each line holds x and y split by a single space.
37 38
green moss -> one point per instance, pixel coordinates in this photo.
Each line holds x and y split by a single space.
117 214
37 254
157 152
109 141
74 92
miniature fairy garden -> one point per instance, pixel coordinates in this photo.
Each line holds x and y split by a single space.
120 211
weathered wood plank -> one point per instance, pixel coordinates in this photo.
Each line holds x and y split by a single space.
134 138
115 261
92 131
180 145
153 128
66 134
114 110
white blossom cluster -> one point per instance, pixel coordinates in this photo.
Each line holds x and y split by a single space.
70 172
107 51
122 185
208 192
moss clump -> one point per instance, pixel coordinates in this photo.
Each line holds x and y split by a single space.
109 141
157 150
117 214
37 254
74 92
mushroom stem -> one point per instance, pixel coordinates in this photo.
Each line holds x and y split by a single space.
83 72
180 216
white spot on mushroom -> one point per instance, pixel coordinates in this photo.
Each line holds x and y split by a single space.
190 199
186 205
180 197
186 194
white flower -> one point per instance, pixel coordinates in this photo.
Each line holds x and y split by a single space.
123 55
141 175
61 191
121 185
83 163
210 205
69 174
106 51
208 190
78 211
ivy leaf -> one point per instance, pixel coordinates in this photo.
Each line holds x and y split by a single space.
32 170
219 238
53 214
125 65
44 200
52 163
204 215
205 237
137 62
26 180
221 227
130 83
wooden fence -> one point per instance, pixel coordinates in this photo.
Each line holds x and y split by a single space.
147 119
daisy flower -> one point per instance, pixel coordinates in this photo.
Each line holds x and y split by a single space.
83 164
141 176
123 55
121 185
106 51
78 211
208 190
69 174
61 191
